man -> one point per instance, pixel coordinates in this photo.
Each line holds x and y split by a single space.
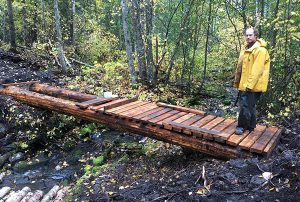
251 78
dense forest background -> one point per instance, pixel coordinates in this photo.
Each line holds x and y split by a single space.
191 46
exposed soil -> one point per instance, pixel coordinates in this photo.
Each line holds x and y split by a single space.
130 174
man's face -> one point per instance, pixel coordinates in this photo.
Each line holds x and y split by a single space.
249 36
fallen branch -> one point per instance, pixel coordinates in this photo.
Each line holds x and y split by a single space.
235 192
81 63
171 195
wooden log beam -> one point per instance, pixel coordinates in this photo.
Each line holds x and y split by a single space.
94 102
19 83
61 93
173 137
182 109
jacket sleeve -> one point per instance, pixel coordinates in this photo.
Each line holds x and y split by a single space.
257 68
238 71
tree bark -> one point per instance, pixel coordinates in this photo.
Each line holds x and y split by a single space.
274 31
243 13
128 42
59 42
4 30
72 24
183 28
25 23
206 46
234 26
139 44
149 29
13 43
44 21
34 35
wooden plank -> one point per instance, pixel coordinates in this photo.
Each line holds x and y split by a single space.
141 109
192 120
171 118
117 104
97 101
252 137
140 116
210 125
273 142
223 125
235 139
127 104
182 109
163 116
226 133
182 119
261 143
194 130
114 102
203 121
158 113
213 123
127 108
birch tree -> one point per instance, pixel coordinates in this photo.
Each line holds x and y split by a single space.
59 42
149 29
139 44
128 41
25 23
12 32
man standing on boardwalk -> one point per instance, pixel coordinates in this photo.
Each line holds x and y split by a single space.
251 78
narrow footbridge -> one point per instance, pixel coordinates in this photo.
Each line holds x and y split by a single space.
182 126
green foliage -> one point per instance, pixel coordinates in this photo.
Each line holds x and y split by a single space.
89 128
98 46
98 161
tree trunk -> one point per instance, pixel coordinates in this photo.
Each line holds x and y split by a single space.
273 36
149 28
25 23
4 30
243 13
72 24
13 43
206 47
59 42
128 41
34 35
44 38
156 61
183 28
139 44
234 26
262 15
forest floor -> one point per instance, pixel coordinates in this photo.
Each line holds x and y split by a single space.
134 168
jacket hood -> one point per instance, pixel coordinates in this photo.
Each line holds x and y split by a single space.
258 43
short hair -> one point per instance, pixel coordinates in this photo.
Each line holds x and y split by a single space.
255 31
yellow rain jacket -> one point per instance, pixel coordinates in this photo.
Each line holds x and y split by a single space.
253 68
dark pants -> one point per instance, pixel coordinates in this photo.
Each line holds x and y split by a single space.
247 115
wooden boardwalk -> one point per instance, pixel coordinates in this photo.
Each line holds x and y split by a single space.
182 126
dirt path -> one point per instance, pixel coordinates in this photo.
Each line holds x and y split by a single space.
151 170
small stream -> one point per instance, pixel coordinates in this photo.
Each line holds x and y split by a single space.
57 167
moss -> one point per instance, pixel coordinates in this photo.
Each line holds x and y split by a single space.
22 166
227 102
98 161
75 156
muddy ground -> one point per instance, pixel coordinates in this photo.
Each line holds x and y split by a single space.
148 171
